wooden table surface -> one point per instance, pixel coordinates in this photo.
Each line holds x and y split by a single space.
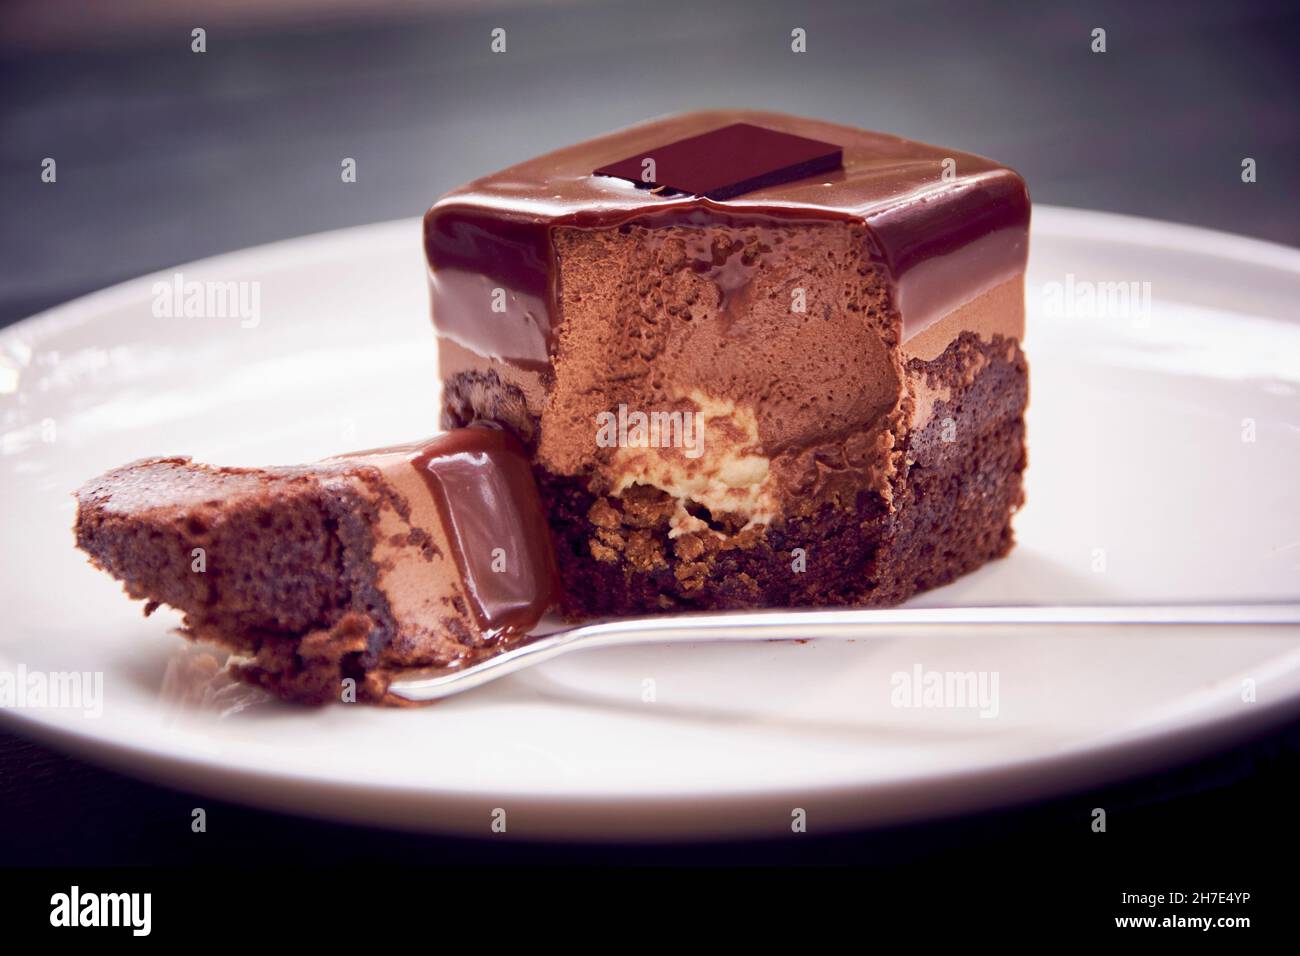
165 156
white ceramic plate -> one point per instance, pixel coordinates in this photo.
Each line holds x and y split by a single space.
1143 486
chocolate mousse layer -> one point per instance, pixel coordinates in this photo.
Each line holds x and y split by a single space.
831 337
328 578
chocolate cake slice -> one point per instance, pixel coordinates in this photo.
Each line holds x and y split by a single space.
756 360
350 569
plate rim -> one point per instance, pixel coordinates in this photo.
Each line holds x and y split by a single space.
688 816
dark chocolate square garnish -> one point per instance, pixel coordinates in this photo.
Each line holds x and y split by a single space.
729 161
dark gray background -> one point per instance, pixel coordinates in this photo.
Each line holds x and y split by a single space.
165 156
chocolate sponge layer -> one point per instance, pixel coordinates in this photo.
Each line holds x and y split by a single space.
255 560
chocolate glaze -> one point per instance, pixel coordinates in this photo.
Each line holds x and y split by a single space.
941 241
482 484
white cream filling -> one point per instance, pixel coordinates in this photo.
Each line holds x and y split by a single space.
730 475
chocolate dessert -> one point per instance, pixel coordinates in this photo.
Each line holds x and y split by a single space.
720 360
756 360
421 555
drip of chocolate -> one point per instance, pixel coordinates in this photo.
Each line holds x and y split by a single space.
483 487
727 162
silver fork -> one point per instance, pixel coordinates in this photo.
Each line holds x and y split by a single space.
426 685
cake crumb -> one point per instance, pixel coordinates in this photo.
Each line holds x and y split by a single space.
602 552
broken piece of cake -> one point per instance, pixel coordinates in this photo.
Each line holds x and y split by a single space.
347 570
719 360
805 338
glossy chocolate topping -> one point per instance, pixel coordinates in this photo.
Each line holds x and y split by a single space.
483 487
946 226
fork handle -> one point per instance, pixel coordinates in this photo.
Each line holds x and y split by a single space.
427 685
